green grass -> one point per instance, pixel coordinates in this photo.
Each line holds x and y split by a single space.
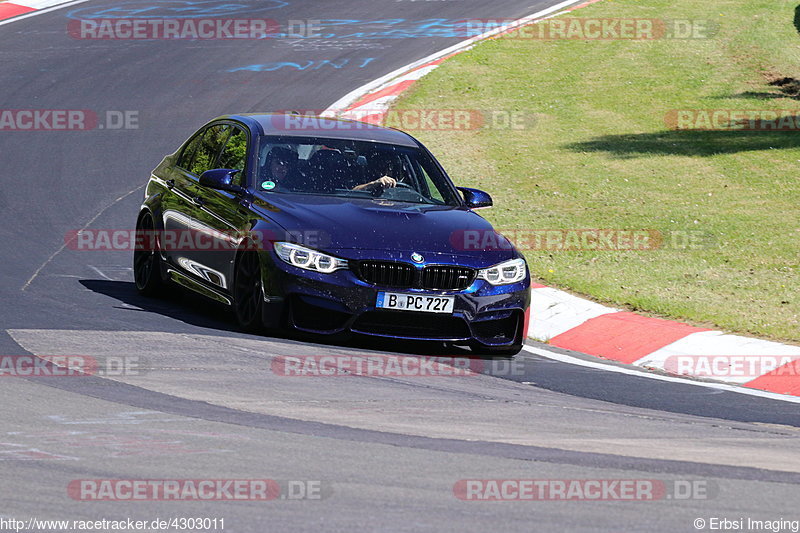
601 156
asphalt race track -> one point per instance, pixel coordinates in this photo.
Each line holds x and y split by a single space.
386 453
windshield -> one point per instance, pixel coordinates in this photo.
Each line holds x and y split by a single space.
336 167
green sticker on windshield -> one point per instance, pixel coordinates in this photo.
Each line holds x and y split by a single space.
268 185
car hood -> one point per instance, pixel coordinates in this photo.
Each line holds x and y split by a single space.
337 223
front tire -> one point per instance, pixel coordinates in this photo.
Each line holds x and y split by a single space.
146 258
248 297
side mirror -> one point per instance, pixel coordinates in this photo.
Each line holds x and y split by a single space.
475 198
220 179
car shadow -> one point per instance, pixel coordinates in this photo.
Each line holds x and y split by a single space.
187 307
174 303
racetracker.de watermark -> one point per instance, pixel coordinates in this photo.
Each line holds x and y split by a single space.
58 366
733 366
187 240
196 490
623 490
172 29
758 120
593 29
584 239
440 119
400 366
562 240
66 120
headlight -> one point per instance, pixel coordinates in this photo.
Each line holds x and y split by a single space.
506 272
309 259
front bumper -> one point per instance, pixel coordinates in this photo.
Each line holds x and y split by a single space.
493 316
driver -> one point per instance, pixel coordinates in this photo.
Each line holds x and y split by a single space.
384 171
279 169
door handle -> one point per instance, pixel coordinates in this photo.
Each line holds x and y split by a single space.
198 201
170 184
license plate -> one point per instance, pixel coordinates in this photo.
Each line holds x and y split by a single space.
414 302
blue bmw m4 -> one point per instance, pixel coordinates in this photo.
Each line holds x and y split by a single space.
331 227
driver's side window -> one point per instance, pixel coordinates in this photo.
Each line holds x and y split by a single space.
234 155
208 150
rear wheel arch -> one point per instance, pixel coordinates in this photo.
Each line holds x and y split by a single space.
147 261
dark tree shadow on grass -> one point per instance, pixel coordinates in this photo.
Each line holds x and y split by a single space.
797 18
705 143
690 142
752 95
789 87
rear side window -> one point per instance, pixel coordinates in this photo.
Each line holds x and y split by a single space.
188 153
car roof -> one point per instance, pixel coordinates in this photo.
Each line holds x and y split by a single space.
314 126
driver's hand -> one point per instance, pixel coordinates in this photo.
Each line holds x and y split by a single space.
385 182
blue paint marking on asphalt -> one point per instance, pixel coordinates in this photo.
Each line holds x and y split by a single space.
306 65
395 29
160 9
389 28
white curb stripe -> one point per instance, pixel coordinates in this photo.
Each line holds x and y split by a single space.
554 312
381 105
40 11
39 4
649 375
377 106
713 343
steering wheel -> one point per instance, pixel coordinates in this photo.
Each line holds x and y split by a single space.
380 191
